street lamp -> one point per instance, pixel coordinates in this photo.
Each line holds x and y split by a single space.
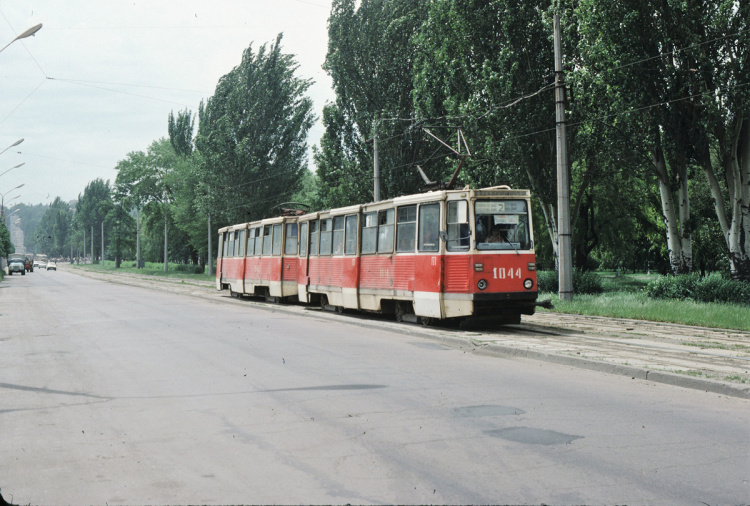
19 141
2 200
28 33
14 167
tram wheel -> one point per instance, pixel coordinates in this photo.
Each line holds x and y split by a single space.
427 321
399 310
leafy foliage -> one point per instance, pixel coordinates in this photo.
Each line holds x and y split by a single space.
6 247
371 54
583 282
252 136
713 288
53 231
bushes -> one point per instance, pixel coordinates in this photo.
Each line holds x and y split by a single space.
191 268
712 288
546 281
583 282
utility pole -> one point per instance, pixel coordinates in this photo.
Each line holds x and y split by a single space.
138 236
92 244
565 260
210 257
376 165
102 243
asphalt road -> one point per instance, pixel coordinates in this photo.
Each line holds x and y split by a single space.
118 394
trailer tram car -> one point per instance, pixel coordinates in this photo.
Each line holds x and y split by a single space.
449 254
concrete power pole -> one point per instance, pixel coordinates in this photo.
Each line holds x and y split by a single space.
210 247
563 178
376 167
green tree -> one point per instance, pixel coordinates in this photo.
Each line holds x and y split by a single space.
121 225
6 247
371 55
52 234
252 135
488 66
91 209
148 179
181 132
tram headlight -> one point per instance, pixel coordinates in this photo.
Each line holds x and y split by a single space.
482 284
528 284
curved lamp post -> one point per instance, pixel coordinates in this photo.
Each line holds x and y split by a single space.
28 33
19 141
14 167
2 199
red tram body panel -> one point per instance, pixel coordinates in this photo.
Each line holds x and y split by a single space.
436 255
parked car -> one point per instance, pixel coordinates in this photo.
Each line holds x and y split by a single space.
51 266
16 263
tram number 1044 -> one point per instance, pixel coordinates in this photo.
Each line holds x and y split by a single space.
503 273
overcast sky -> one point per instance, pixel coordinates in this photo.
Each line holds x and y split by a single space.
101 77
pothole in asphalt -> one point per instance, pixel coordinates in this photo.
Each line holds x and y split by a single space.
531 436
488 410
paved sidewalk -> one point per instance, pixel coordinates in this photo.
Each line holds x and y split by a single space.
713 360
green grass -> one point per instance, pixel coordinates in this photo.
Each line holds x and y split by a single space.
624 297
149 269
638 306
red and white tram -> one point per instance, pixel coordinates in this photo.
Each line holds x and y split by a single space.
436 255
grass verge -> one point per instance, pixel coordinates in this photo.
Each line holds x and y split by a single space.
638 306
149 269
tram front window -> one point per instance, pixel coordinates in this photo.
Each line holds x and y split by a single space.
502 224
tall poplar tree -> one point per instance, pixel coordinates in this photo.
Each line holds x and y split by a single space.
252 135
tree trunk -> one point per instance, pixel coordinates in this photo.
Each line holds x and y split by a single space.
678 237
738 163
549 219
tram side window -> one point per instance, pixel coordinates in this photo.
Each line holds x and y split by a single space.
459 232
326 231
221 251
230 252
314 234
251 242
267 236
429 227
258 241
338 235
385 231
370 233
277 240
241 244
225 244
406 228
290 247
350 248
303 239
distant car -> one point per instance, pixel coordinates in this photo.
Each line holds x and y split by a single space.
17 263
51 266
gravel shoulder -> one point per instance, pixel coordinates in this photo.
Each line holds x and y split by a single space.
713 360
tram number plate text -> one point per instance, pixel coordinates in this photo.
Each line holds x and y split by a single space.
503 273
